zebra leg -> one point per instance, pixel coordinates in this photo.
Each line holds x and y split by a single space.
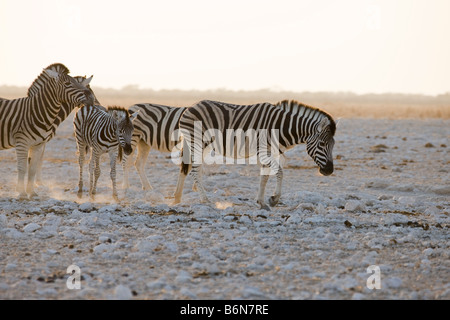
22 166
273 200
196 174
81 155
94 173
207 150
262 189
112 174
91 175
36 155
184 171
141 159
97 171
126 161
38 181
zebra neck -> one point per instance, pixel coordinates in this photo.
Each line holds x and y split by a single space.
44 108
301 127
66 109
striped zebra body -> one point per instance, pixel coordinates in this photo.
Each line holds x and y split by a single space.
66 109
268 131
103 132
26 123
155 127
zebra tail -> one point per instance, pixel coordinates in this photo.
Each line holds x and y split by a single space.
120 154
86 152
185 167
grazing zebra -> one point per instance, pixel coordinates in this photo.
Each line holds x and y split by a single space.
103 132
27 123
63 113
156 126
290 123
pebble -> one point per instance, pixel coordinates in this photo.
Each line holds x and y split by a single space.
31 227
394 282
354 205
122 292
86 207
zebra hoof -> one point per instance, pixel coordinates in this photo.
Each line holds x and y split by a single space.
273 201
33 195
22 196
116 198
263 206
79 194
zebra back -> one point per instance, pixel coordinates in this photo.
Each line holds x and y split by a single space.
157 125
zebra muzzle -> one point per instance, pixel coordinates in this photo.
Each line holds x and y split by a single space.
127 149
327 169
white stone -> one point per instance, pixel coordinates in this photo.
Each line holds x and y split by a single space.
122 292
31 227
86 207
101 248
354 205
358 296
392 282
3 221
183 277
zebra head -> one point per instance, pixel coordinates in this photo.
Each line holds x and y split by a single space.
320 143
67 89
85 83
124 127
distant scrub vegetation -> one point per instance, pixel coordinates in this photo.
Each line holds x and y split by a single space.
339 104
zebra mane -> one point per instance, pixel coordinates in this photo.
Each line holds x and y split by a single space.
118 113
296 107
39 82
118 108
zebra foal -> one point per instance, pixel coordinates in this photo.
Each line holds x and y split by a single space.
267 131
103 132
27 123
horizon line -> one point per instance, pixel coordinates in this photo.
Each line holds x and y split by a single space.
136 87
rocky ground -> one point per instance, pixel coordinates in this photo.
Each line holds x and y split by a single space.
387 204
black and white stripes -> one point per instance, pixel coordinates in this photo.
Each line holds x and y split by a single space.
155 127
27 123
265 130
66 109
103 132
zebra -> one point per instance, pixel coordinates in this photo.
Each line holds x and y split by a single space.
27 123
103 132
290 122
156 126
63 113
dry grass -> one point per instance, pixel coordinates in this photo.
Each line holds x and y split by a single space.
340 105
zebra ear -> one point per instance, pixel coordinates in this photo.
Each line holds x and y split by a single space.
323 124
134 115
87 81
52 73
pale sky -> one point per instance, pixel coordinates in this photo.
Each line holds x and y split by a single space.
301 45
